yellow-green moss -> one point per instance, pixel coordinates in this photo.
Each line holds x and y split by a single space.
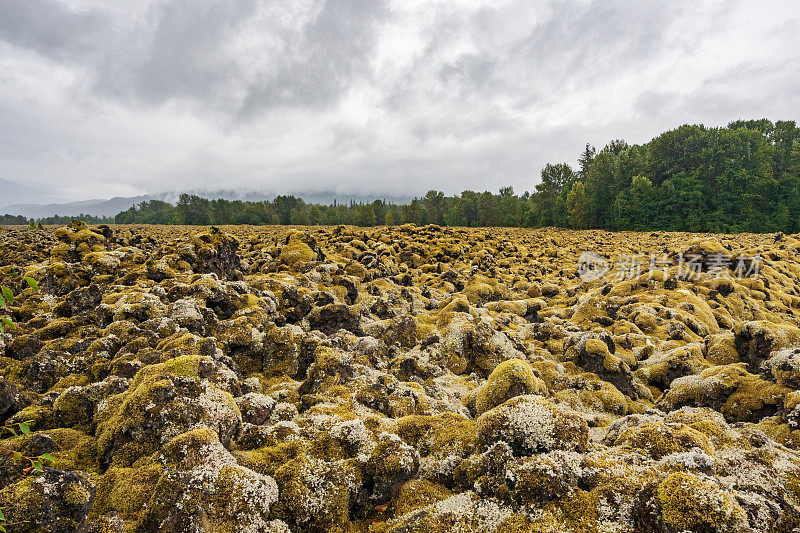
589 394
792 483
580 511
75 494
186 344
418 493
687 502
721 349
510 378
186 365
661 439
750 393
42 417
186 451
76 450
128 410
441 435
233 501
316 493
126 490
611 362
296 252
24 500
267 459
57 328
70 381
73 408
532 424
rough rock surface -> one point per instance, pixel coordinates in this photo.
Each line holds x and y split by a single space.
397 379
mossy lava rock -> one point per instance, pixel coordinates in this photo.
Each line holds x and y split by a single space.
396 379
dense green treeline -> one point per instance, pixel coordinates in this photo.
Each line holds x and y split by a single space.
742 178
61 220
745 177
13 220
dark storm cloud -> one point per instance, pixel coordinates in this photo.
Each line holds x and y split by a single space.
175 52
321 61
105 97
185 49
567 47
49 28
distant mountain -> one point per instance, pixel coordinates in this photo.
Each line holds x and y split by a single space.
115 205
12 192
86 207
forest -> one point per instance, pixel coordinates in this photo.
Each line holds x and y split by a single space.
741 178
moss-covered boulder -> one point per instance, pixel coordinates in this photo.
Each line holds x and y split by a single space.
531 424
661 369
392 463
316 494
445 433
52 500
255 407
296 252
464 511
469 344
418 493
597 353
784 366
689 503
165 400
77 241
214 252
510 378
756 340
333 317
661 439
202 484
729 389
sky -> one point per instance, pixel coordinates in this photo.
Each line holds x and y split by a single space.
102 98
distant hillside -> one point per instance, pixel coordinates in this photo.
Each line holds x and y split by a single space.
12 192
87 207
30 209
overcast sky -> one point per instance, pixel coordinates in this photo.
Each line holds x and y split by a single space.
102 98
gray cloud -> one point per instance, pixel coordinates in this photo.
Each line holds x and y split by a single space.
102 98
322 59
748 90
49 28
174 52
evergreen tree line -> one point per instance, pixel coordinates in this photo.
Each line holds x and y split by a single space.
743 177
13 220
62 220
